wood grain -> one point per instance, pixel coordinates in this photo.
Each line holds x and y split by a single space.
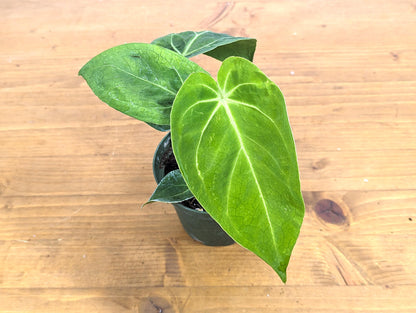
74 172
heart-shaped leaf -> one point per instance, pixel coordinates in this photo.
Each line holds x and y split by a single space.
171 189
139 79
235 149
218 46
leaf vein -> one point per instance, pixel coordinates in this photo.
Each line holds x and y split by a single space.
189 44
200 138
231 175
204 46
178 74
239 85
173 46
262 113
240 139
199 102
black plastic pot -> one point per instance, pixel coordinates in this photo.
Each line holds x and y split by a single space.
198 224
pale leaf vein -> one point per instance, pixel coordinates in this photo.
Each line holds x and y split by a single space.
241 142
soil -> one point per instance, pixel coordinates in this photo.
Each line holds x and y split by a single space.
168 162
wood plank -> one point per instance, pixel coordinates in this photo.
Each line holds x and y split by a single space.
112 166
212 299
88 236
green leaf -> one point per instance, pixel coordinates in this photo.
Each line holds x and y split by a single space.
218 46
171 189
235 149
162 128
139 79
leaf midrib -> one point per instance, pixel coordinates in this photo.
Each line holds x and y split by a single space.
190 43
222 102
243 149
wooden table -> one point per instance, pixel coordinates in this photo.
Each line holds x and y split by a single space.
74 172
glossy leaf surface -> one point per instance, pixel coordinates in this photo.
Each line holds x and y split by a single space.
171 189
233 144
218 46
140 80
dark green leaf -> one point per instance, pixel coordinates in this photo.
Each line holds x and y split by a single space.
171 189
218 46
138 79
235 149
162 128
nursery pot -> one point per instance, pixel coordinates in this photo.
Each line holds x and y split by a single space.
198 224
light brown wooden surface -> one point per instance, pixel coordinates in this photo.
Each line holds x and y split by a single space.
74 172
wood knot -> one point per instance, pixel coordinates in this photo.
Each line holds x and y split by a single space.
331 212
156 305
3 188
395 56
8 207
320 164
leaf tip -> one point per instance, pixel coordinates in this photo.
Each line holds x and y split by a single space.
81 71
142 206
280 269
282 276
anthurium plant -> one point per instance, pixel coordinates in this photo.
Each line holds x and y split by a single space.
231 138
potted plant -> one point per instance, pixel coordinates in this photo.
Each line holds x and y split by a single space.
230 138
